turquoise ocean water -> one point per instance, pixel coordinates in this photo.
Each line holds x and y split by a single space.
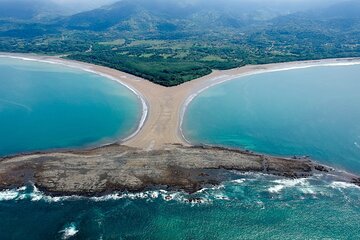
45 106
313 111
252 206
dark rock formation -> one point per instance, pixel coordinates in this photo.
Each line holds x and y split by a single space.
118 168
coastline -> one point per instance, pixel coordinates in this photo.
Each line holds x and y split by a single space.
83 67
125 169
237 73
157 154
164 107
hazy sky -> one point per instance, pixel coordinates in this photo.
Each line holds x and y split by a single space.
91 2
103 2
265 2
82 5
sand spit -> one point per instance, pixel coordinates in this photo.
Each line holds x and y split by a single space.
157 154
163 108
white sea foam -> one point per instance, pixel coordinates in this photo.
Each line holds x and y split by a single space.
69 231
140 195
288 183
33 194
7 195
306 187
150 195
210 189
343 185
221 79
203 196
180 197
221 196
145 108
88 69
239 181
36 195
276 189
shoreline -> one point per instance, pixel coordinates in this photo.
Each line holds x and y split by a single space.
177 168
267 68
79 66
164 107
157 154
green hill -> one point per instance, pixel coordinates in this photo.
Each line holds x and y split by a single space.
170 42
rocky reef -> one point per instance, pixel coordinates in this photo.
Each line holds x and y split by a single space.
120 168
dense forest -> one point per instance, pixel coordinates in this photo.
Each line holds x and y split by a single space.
171 43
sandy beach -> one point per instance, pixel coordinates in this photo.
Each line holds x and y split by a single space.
156 155
164 107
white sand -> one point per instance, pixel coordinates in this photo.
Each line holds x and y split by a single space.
164 108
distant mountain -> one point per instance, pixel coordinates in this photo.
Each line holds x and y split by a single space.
40 9
103 18
169 15
180 15
24 9
173 41
343 16
347 9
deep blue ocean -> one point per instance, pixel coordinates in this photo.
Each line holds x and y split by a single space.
253 207
297 112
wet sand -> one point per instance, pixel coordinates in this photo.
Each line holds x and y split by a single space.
157 154
164 106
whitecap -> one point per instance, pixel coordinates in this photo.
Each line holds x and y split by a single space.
276 189
343 185
221 196
307 190
7 195
173 196
287 183
140 195
197 201
239 181
36 195
69 231
217 187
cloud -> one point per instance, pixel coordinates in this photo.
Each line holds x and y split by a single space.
82 5
84 2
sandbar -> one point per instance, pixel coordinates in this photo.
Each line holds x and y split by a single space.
164 107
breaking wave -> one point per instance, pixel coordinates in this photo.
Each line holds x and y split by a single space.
288 183
69 231
343 185
249 187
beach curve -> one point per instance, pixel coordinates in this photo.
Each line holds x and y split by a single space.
164 107
276 67
59 61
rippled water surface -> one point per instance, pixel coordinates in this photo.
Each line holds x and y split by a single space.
45 106
308 111
313 111
253 207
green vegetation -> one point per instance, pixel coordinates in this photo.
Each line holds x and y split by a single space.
171 50
167 72
117 42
